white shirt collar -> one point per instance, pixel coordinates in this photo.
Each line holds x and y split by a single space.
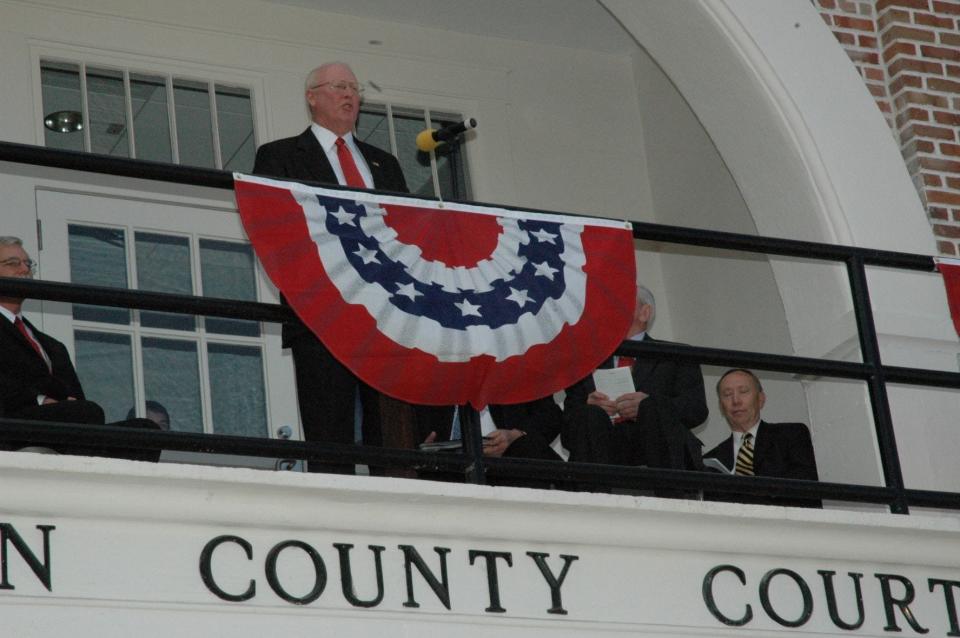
328 143
738 436
8 314
328 139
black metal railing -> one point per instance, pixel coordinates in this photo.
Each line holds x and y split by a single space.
471 464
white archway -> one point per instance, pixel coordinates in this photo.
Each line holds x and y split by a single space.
813 159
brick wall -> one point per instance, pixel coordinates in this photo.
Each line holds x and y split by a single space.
908 54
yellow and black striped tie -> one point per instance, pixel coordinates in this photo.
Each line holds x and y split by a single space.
745 456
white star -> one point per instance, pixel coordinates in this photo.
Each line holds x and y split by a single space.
367 255
519 296
545 270
467 308
344 217
544 236
409 290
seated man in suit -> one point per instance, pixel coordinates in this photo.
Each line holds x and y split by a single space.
650 426
37 378
522 430
758 448
328 152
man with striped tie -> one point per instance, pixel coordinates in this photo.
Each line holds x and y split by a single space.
758 448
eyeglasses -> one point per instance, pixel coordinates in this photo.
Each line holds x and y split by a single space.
341 87
16 263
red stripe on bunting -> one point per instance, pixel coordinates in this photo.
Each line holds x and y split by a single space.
950 271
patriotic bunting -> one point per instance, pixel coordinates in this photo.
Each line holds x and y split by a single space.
443 304
950 270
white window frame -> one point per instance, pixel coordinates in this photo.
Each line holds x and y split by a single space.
389 99
138 64
57 318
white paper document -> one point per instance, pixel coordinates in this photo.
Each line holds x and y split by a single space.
614 382
715 465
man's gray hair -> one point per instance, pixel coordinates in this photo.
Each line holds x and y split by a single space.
646 297
10 240
312 76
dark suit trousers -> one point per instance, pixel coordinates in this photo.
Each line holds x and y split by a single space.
85 413
64 412
60 412
326 390
530 446
591 437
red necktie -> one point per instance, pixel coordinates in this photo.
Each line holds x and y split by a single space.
350 171
22 327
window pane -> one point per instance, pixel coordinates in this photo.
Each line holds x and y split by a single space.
194 130
108 112
227 271
236 390
151 122
451 171
163 265
60 85
235 122
372 127
170 378
105 367
98 258
415 163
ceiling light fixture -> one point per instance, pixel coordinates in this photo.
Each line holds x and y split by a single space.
64 121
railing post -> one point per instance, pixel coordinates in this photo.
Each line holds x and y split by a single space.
472 445
876 383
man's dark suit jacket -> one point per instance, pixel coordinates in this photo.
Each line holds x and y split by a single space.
24 375
781 450
660 434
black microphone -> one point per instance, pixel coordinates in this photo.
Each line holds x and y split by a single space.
432 138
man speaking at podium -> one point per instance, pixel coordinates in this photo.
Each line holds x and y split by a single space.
329 153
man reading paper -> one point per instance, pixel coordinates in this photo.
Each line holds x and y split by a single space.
650 423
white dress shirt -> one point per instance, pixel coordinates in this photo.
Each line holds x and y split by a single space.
328 142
